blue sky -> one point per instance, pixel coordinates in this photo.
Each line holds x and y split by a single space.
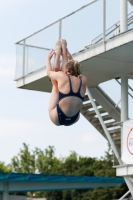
23 114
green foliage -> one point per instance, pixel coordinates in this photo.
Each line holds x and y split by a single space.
4 168
45 161
24 161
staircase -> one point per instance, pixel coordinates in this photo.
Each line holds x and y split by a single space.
109 112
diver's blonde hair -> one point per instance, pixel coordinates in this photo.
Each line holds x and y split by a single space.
73 68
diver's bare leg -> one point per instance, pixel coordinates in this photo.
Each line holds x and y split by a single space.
64 55
56 64
53 99
52 106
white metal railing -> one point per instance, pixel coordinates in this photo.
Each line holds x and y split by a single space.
112 31
32 50
58 21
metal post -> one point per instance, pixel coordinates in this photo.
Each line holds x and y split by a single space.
5 195
124 105
124 98
23 75
123 15
104 20
103 125
124 195
60 29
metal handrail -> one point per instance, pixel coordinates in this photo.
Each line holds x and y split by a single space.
116 25
58 20
27 45
128 87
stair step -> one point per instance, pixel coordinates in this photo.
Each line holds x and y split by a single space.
115 131
101 110
116 137
86 98
106 117
110 124
86 106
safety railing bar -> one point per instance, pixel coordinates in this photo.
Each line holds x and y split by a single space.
59 20
128 87
37 32
107 33
130 95
112 26
27 45
128 192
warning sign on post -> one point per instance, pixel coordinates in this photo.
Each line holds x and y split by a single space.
127 142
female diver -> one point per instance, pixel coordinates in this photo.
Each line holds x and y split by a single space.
68 86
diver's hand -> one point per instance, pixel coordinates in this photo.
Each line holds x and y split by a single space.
51 53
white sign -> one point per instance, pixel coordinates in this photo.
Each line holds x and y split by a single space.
127 142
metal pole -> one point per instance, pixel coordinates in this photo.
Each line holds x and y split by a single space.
123 15
103 125
23 72
5 195
124 195
60 29
124 98
104 20
124 105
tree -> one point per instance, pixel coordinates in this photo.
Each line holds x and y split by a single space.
45 161
4 168
24 161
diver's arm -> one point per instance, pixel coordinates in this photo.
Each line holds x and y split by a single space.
48 63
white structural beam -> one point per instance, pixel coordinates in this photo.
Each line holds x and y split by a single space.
124 170
5 195
124 98
123 15
104 20
124 195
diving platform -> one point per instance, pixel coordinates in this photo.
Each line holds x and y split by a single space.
100 62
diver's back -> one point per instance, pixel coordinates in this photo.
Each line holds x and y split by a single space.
71 94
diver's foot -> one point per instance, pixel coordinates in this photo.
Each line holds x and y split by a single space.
64 46
69 56
58 47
